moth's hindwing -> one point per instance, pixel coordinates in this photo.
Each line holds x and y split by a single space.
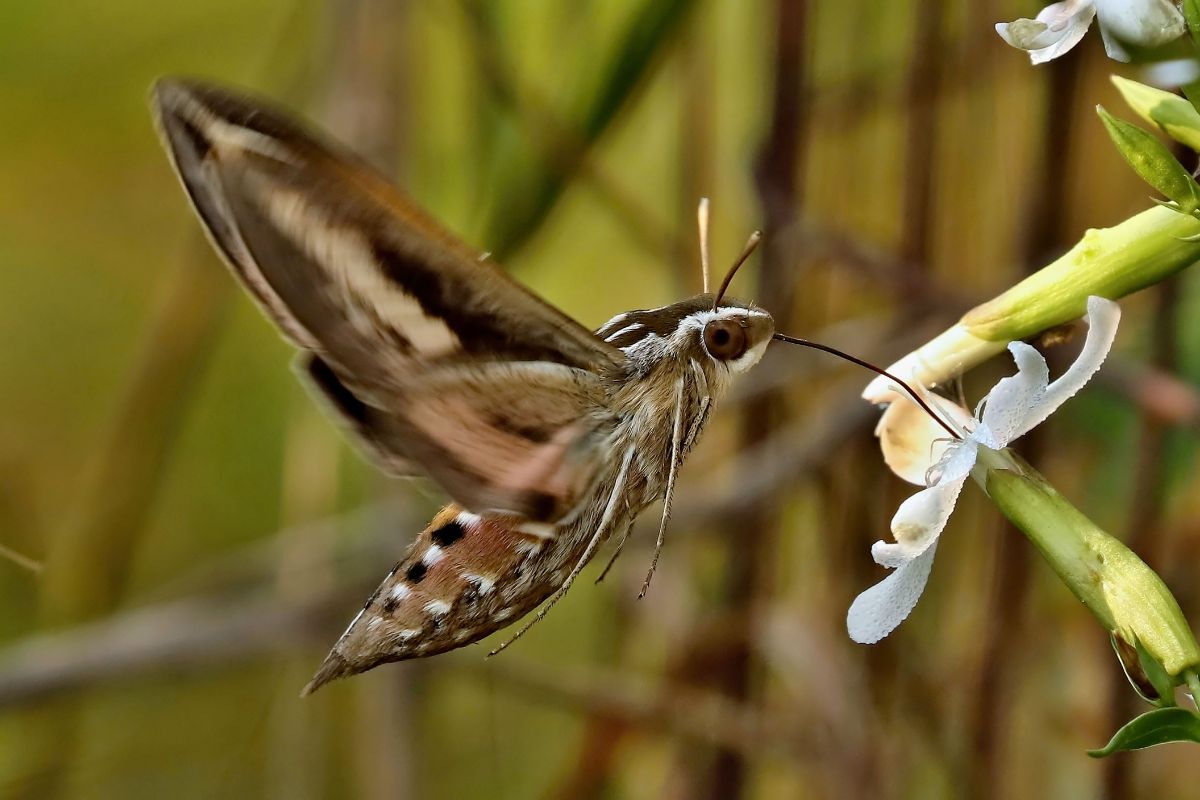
360 418
463 578
523 437
384 299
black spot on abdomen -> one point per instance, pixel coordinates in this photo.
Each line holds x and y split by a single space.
448 534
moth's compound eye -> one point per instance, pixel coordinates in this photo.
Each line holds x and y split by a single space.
724 339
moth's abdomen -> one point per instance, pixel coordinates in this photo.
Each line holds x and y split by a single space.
464 577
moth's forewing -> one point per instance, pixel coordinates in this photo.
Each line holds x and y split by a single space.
345 255
353 271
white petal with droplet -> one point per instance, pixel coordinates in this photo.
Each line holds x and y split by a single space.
1146 23
1013 399
1103 317
921 518
876 612
1057 29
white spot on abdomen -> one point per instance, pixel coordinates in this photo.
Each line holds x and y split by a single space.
483 583
528 548
467 519
437 608
405 634
541 530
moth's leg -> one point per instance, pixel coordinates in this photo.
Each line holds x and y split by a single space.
616 497
613 558
672 471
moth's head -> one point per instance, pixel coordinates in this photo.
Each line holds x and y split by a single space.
728 339
735 334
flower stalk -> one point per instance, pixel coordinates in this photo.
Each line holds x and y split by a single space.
1126 596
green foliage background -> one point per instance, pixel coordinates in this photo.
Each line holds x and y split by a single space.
157 453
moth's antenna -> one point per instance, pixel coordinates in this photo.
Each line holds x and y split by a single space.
751 244
876 369
613 558
702 224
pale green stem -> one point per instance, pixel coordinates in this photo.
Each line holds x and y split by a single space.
1125 595
1109 262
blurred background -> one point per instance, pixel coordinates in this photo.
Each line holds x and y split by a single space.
186 535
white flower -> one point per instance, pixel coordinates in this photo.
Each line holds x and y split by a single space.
911 444
1171 74
1060 26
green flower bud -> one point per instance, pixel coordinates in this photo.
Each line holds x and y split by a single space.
1153 162
1125 595
1172 114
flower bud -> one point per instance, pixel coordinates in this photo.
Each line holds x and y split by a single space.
1170 113
1153 162
1125 595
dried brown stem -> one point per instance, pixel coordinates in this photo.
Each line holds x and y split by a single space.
1147 515
736 670
198 635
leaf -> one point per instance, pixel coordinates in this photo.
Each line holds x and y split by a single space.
1171 113
1153 162
1160 726
1191 13
533 191
1192 92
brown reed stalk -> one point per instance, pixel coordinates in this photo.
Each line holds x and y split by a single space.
735 669
988 770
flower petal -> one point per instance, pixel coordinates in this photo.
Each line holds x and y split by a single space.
1171 74
1145 23
921 518
1102 316
1057 29
876 612
916 527
1011 399
911 441
1113 47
